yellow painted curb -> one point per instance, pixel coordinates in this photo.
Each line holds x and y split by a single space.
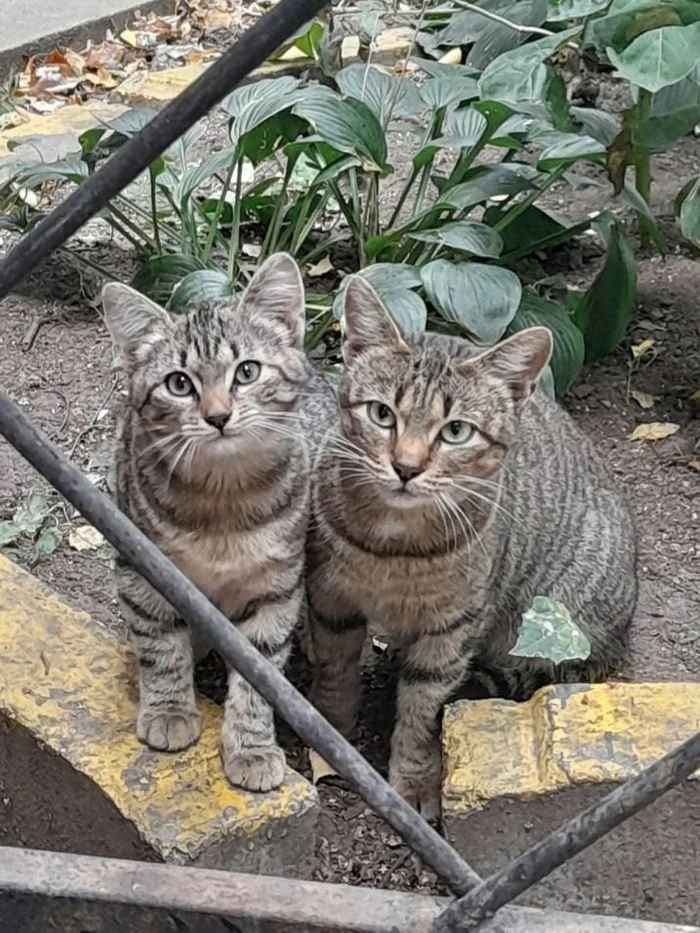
565 735
70 683
72 119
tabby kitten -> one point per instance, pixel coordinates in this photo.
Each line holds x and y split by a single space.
211 468
448 494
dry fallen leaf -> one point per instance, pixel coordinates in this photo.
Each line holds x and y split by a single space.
85 538
107 56
453 57
694 465
654 431
320 768
643 399
695 397
641 349
323 267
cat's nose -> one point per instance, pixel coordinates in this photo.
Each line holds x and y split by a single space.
406 471
218 419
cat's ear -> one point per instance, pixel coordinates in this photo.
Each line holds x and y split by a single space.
133 320
276 292
367 323
519 361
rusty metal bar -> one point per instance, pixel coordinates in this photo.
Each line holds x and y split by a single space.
573 837
299 906
134 157
234 648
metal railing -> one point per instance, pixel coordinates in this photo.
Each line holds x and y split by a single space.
476 899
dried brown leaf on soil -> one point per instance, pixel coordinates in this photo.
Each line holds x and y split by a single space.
320 768
85 538
654 431
642 349
323 267
643 399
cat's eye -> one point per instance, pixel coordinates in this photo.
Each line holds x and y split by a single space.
179 384
247 372
381 414
456 432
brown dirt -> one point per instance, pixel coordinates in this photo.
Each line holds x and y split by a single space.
63 381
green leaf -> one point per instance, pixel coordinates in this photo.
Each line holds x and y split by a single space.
30 515
570 148
568 345
70 169
633 198
659 58
381 91
597 123
252 104
9 532
443 70
604 310
660 133
306 39
346 124
533 230
491 39
442 92
469 236
690 215
481 299
521 74
464 129
574 9
158 277
48 541
548 631
201 285
261 142
393 282
130 123
487 181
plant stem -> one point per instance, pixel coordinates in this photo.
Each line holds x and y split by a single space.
642 165
154 211
125 221
357 211
273 231
79 258
214 223
137 209
235 223
517 209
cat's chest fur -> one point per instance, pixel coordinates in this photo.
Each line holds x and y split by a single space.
231 569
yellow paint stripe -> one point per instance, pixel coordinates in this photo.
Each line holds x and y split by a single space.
564 735
72 684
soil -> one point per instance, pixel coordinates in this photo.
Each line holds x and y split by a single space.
60 374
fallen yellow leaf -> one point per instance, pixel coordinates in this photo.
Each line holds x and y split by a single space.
654 431
130 37
641 349
453 57
320 768
694 465
695 397
323 267
643 399
85 538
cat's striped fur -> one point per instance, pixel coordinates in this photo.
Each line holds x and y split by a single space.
218 479
446 544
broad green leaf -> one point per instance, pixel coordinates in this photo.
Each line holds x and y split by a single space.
443 70
252 104
194 177
158 277
89 140
383 93
306 39
70 169
690 216
9 532
521 74
659 58
441 92
597 123
495 38
48 541
30 515
574 9
534 230
481 299
628 19
570 148
548 631
487 181
660 133
201 285
264 140
393 282
464 129
468 236
131 122
346 124
604 310
568 350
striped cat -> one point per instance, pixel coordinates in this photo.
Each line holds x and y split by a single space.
211 468
447 494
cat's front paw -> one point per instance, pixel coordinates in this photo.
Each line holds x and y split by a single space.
421 791
169 730
257 769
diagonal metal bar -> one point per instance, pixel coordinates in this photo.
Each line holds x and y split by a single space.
258 43
234 648
573 837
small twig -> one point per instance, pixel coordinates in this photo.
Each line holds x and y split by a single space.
33 329
66 412
398 864
93 422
